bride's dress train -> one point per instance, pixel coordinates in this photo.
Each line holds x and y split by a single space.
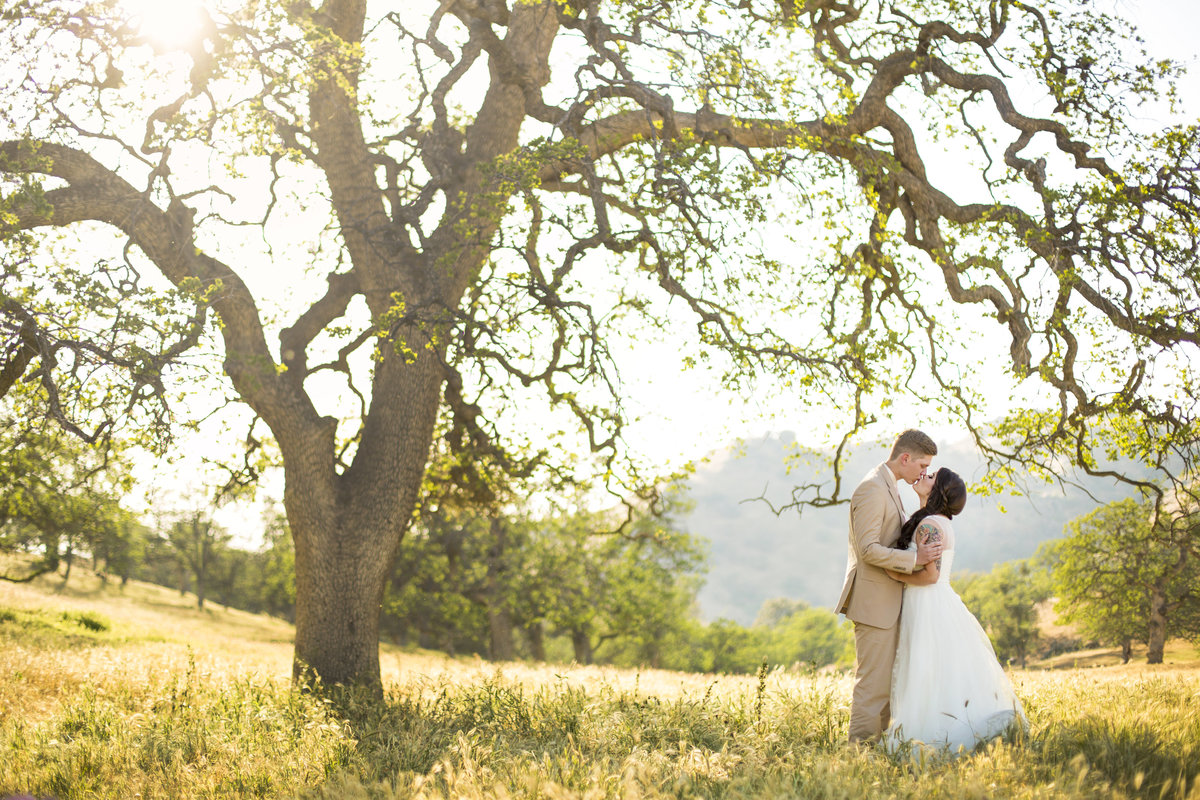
948 689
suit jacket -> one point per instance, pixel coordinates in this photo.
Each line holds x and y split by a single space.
876 515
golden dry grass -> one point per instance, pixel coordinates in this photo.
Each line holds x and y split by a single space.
168 701
160 630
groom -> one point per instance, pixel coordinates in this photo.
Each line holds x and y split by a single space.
870 599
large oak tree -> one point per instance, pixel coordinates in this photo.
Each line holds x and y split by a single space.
495 189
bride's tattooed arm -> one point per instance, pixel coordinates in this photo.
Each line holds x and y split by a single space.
929 533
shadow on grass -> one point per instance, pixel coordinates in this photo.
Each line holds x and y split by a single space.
566 734
411 733
500 738
44 629
1130 754
407 732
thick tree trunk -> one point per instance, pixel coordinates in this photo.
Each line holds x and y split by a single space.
537 641
337 620
1126 650
347 527
340 579
1157 630
583 646
500 627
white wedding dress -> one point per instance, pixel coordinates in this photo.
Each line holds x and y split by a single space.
948 690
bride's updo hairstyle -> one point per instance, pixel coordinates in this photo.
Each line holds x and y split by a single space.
947 497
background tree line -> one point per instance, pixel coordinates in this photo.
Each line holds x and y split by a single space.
567 584
570 583
565 587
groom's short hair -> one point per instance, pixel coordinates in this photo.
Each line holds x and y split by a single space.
913 442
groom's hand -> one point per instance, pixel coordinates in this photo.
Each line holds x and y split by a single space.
928 551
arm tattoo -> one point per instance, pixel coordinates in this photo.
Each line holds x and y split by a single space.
932 535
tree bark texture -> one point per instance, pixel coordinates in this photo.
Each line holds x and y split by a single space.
346 530
500 626
535 636
339 590
582 643
1156 635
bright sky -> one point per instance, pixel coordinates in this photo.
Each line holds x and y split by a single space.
681 417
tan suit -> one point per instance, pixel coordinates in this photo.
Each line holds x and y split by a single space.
871 599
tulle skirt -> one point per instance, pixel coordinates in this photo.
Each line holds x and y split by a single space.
948 690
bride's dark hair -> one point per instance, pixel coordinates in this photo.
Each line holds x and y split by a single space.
947 497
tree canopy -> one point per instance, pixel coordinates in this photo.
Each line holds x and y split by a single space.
1124 573
381 217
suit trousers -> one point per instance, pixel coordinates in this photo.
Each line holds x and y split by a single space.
870 708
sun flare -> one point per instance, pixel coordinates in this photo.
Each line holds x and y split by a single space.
169 25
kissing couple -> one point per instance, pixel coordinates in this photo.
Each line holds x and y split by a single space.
925 670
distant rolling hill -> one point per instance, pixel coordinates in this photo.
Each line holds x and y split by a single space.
756 555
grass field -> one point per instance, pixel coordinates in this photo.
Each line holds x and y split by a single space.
134 693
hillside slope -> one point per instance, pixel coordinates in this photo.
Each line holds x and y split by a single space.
94 625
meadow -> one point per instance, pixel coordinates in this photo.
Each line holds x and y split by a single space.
132 692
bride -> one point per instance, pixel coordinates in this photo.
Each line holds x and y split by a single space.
948 690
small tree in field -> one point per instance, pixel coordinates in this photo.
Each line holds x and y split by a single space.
476 206
470 577
197 541
1122 575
